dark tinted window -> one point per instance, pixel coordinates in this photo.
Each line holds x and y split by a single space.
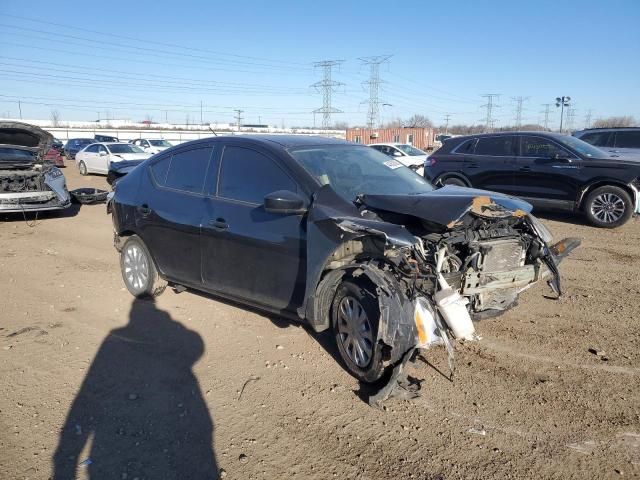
496 146
466 147
628 139
92 149
541 148
187 170
160 169
248 176
599 139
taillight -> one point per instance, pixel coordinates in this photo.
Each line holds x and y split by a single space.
429 162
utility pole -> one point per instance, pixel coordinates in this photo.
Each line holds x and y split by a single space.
327 86
490 105
587 119
547 107
239 117
166 115
20 109
562 102
201 122
519 101
373 115
446 125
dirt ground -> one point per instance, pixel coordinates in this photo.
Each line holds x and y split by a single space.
99 386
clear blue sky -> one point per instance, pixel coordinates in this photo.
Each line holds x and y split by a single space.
157 59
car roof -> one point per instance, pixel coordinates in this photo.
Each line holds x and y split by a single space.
502 134
288 141
606 129
393 144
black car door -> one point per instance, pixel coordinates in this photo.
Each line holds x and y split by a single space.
250 253
546 173
490 166
170 211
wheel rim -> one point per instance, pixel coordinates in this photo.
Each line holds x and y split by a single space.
608 207
136 267
354 331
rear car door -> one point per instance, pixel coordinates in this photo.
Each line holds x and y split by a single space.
490 165
627 141
546 173
170 211
248 252
89 157
102 160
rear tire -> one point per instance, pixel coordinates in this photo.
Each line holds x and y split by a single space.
608 207
355 315
139 272
455 181
82 168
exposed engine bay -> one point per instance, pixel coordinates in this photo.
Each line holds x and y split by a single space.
435 267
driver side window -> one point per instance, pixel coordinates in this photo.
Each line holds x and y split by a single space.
539 147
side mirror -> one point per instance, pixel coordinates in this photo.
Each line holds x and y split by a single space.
285 202
103 153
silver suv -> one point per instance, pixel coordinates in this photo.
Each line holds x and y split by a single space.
614 140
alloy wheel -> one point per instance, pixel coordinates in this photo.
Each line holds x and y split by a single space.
608 207
354 330
136 267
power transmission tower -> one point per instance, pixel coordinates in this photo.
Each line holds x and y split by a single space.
327 86
519 101
446 125
547 108
373 116
239 117
587 119
571 116
490 105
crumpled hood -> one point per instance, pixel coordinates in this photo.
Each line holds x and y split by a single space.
25 137
446 206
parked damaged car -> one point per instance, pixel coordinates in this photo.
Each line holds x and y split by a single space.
332 233
29 181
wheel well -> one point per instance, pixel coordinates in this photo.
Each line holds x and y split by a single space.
604 183
459 176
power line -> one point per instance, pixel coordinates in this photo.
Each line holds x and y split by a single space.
239 118
446 126
490 105
547 108
373 116
327 86
519 101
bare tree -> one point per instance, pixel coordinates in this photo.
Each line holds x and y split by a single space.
148 120
55 118
341 125
615 122
419 121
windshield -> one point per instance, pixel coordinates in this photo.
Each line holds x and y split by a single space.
353 170
582 147
411 151
124 148
160 143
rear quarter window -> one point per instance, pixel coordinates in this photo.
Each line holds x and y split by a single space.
188 169
628 139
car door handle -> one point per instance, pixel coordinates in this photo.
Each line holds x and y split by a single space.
526 168
219 224
144 210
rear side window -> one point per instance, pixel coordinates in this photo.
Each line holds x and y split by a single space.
92 149
466 147
496 146
599 139
159 170
628 139
248 176
187 170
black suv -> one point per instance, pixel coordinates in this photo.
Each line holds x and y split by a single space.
550 171
332 232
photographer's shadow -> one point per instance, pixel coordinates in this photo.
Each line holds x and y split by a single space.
140 407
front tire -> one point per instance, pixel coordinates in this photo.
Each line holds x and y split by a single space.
139 272
355 315
82 168
608 207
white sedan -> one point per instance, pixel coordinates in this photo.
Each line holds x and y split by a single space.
151 145
97 157
405 154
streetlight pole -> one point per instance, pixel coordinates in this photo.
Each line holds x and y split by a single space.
562 102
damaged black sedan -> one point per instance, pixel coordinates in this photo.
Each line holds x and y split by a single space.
333 233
